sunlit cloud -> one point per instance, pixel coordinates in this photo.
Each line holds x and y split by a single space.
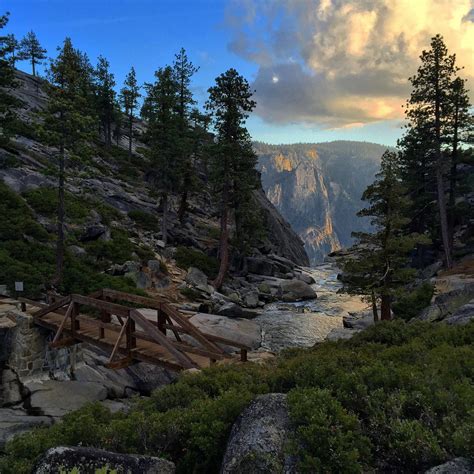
340 62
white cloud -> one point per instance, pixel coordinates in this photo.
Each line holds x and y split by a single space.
353 58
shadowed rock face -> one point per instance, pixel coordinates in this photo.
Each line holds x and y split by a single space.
318 188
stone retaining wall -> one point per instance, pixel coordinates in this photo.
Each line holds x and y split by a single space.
30 355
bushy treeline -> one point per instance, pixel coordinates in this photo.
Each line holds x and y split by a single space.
416 201
181 156
396 398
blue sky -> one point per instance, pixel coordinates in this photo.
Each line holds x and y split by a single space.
302 91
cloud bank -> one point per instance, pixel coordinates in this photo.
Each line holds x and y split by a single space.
340 63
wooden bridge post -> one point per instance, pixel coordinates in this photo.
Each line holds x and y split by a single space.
131 340
161 320
74 321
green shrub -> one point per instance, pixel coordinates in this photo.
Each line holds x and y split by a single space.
328 438
409 304
117 250
188 257
191 293
45 202
144 219
395 398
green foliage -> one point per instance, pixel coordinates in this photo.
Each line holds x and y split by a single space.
396 397
329 439
116 250
44 200
188 257
191 294
410 303
144 219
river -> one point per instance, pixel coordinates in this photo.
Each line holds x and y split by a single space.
305 323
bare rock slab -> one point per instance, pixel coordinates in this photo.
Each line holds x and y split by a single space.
56 398
65 459
14 421
257 440
240 330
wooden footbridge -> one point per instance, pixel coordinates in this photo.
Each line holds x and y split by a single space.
113 323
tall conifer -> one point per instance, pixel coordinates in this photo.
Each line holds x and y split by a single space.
68 123
233 160
129 96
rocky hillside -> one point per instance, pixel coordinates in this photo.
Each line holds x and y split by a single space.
318 189
113 217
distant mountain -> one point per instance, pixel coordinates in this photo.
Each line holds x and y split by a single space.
318 188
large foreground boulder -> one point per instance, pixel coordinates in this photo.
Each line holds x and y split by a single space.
258 438
295 290
455 466
90 460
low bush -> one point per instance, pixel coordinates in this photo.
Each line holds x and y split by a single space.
410 303
395 398
144 219
188 257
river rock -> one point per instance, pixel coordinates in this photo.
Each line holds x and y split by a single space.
295 290
464 315
239 330
306 278
81 459
56 398
257 440
14 421
233 310
455 466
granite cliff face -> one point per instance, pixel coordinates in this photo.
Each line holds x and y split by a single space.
318 188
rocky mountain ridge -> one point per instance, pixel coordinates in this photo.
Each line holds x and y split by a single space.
318 189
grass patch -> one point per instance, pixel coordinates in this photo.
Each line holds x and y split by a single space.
397 397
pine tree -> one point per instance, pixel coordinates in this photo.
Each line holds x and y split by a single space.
105 97
7 81
12 45
68 123
460 127
378 263
232 160
429 105
160 109
129 95
31 50
183 70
